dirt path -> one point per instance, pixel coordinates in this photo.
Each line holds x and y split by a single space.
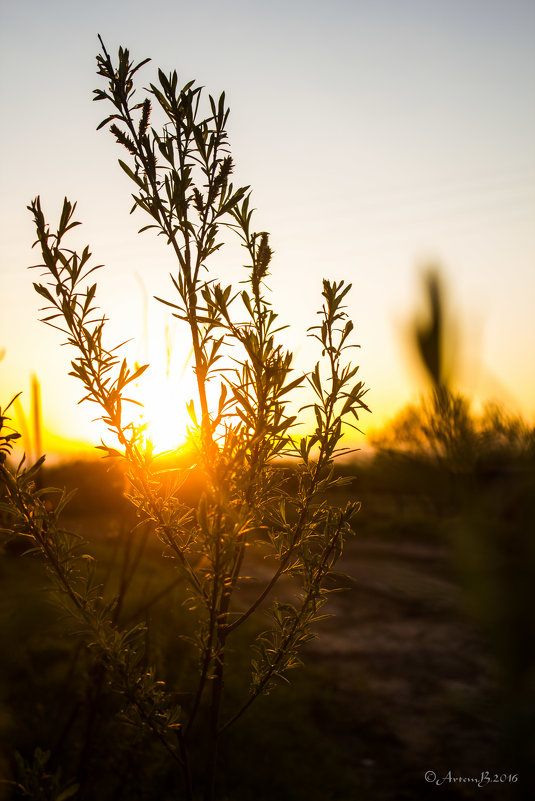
410 675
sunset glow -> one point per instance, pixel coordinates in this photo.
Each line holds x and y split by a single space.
431 110
164 410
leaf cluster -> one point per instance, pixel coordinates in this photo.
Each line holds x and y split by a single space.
30 513
8 435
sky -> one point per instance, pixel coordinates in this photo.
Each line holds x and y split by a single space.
378 137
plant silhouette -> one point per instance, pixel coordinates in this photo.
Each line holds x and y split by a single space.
249 500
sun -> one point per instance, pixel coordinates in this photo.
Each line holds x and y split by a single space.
164 414
163 392
165 389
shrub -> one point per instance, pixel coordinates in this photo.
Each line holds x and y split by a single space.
250 498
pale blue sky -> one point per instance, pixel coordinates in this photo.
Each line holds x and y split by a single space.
376 135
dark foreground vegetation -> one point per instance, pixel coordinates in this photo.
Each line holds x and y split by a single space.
428 664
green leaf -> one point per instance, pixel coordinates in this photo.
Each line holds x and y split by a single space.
68 792
131 174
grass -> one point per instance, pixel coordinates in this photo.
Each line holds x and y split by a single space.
44 670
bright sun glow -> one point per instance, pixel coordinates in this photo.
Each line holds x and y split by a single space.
165 415
164 390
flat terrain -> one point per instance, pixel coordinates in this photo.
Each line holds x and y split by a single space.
405 677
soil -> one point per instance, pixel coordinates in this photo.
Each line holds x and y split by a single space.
412 678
